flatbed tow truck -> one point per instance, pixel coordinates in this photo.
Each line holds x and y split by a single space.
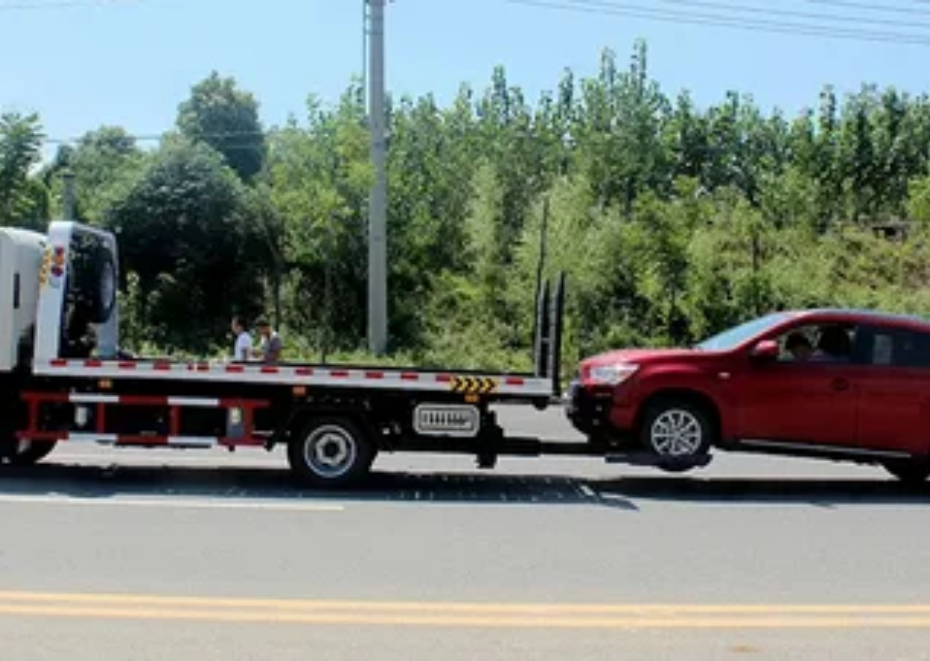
64 378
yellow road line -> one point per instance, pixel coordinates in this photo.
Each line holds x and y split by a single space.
473 614
482 621
473 607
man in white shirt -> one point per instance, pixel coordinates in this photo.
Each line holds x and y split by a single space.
243 347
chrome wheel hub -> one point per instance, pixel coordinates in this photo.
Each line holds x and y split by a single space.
330 451
676 433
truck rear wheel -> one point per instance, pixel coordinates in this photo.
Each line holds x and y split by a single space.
331 452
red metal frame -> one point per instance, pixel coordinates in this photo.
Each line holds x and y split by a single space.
174 405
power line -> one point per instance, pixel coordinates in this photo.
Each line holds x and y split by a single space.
864 6
59 4
735 8
695 18
771 11
158 137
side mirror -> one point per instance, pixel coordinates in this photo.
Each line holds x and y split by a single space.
766 350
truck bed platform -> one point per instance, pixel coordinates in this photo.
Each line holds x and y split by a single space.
489 384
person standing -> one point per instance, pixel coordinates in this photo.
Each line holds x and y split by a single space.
242 349
270 349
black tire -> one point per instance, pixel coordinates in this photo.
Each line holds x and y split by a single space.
107 286
348 445
913 472
35 452
96 280
103 292
696 432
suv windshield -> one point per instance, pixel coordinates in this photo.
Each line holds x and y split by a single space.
735 336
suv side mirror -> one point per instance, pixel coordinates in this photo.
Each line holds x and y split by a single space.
766 350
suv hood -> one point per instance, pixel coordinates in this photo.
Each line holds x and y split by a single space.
637 356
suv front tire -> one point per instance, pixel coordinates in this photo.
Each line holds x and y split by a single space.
676 430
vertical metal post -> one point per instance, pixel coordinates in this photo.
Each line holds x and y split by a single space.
377 212
67 197
543 236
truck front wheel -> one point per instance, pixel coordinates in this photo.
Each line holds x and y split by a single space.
330 452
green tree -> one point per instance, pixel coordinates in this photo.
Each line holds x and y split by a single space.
23 199
221 115
104 162
186 233
620 123
319 177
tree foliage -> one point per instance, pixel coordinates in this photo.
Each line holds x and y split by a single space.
23 201
226 118
186 231
104 162
672 221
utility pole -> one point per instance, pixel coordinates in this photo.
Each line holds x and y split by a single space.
67 197
377 210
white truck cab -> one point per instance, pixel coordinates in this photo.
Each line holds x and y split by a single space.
53 289
21 255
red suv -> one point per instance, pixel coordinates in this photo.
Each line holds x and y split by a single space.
847 385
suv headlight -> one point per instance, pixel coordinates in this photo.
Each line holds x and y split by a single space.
611 375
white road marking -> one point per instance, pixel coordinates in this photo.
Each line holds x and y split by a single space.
172 503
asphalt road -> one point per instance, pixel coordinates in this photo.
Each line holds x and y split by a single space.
118 555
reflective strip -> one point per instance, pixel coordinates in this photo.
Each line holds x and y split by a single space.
89 437
203 402
92 438
199 441
85 398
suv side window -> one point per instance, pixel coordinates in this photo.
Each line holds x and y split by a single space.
797 343
820 343
894 347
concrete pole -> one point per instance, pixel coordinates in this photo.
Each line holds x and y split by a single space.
377 211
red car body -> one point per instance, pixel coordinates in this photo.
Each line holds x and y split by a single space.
870 402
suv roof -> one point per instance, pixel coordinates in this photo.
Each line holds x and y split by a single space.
874 316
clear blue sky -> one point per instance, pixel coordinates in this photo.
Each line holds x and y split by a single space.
130 62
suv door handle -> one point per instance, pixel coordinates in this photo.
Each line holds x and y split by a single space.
840 384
